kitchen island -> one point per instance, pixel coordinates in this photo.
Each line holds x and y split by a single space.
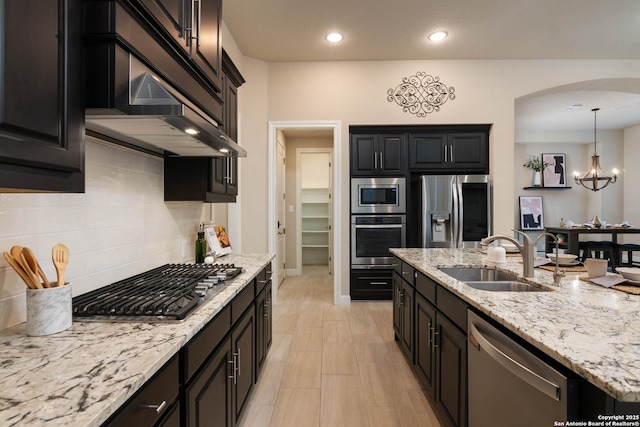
591 330
81 376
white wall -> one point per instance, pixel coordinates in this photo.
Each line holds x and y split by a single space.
576 204
631 178
356 93
119 227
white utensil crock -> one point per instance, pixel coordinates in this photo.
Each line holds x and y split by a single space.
48 310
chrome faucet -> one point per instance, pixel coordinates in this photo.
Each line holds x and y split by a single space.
526 250
557 273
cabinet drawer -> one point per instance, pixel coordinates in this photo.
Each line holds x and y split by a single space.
452 307
263 278
408 273
371 284
426 287
397 265
152 401
201 346
242 301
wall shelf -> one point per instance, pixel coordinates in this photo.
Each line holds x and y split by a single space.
546 188
315 225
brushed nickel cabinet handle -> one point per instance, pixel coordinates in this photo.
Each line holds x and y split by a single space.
157 408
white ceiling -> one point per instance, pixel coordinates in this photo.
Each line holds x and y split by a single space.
294 30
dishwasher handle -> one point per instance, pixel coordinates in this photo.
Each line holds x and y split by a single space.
542 384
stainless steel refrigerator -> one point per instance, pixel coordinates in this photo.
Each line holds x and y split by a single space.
456 210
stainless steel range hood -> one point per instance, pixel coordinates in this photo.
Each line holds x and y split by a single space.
161 120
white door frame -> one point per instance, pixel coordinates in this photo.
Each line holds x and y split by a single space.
335 125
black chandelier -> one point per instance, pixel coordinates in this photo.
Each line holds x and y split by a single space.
595 178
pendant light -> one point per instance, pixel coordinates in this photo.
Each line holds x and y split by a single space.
595 178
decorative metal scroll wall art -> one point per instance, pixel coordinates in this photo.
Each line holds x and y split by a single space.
421 94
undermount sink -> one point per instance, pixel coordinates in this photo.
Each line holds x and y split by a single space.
488 279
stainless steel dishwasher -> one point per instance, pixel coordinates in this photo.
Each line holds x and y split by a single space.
510 386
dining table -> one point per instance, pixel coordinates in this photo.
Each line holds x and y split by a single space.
572 235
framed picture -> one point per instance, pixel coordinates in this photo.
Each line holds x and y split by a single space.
531 215
554 175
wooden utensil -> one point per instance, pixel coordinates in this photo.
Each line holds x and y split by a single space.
32 275
18 268
35 265
16 253
60 256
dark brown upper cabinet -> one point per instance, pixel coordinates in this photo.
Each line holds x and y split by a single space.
453 151
42 105
378 154
195 26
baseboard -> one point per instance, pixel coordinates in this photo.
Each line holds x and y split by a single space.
344 300
293 272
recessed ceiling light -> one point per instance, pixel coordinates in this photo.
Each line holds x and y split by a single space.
191 131
437 36
334 37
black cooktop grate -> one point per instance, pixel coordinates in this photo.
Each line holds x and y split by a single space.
167 292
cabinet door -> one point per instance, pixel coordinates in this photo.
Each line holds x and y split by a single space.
407 298
171 15
206 40
425 357
209 399
363 155
243 344
263 327
260 336
224 178
469 151
451 371
268 319
397 290
232 176
391 152
230 98
427 151
41 104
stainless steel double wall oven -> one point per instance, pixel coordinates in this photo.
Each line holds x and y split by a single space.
378 220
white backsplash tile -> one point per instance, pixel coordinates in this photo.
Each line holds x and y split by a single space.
119 227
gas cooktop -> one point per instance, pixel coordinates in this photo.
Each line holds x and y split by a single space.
170 292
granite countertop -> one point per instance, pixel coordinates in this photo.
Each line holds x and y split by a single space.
80 376
592 330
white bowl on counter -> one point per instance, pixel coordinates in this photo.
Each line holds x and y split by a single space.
630 273
562 259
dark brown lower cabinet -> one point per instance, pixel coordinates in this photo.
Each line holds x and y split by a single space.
407 296
425 356
210 381
243 344
451 371
155 403
209 397
220 391
441 361
263 326
371 285
430 324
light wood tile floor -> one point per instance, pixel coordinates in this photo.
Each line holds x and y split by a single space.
334 365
